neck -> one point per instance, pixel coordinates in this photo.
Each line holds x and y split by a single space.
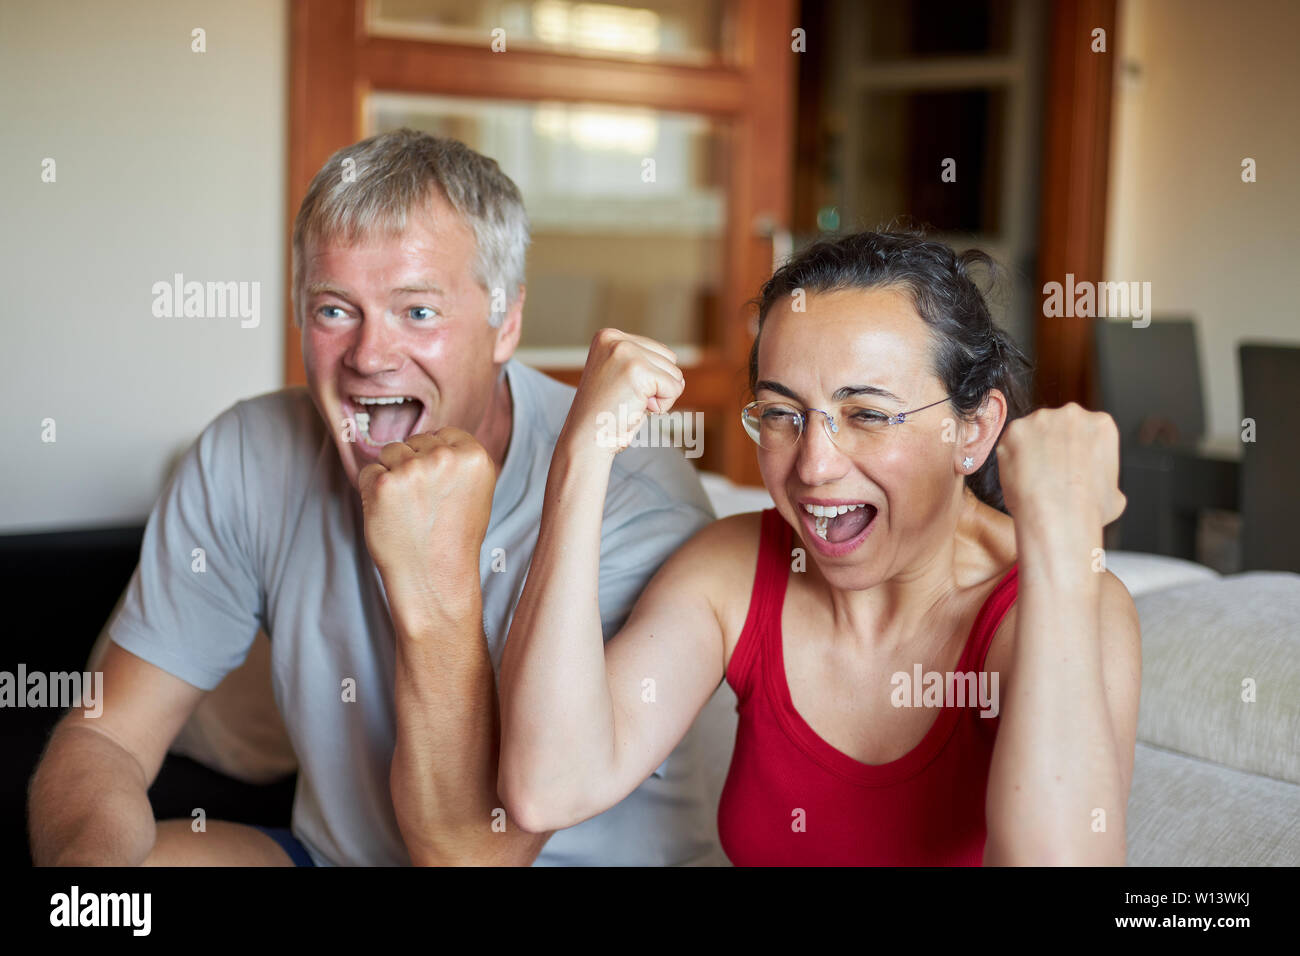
904 605
494 431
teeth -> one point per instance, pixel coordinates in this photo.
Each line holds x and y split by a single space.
824 513
830 511
363 418
384 400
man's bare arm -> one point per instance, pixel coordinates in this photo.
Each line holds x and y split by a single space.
88 802
427 504
444 772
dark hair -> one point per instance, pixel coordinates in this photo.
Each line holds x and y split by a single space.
970 355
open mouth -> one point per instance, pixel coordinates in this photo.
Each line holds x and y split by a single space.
839 523
382 419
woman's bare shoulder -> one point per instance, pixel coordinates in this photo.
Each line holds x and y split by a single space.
992 538
723 546
720 561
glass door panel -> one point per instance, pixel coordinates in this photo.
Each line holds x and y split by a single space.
627 208
693 31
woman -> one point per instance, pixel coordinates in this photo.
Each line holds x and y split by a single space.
881 388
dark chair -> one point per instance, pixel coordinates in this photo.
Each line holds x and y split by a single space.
1270 468
1149 380
69 582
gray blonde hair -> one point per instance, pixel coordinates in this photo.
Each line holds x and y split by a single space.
374 184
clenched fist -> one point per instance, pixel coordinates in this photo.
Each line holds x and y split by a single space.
426 504
626 377
1062 463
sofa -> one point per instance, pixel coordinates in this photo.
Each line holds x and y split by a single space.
67 582
1216 780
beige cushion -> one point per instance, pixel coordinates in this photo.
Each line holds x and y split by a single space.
1142 573
1187 812
1200 642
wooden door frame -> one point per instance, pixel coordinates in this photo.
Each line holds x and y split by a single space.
333 65
1076 166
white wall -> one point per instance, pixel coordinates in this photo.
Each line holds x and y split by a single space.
167 161
1217 83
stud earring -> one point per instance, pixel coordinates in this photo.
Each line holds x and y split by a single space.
967 462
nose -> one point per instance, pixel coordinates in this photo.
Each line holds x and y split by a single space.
375 348
820 460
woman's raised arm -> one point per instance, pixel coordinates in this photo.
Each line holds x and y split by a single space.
582 725
1063 761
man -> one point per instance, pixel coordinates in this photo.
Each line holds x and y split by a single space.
377 526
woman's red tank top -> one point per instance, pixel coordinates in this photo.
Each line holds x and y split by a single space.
791 799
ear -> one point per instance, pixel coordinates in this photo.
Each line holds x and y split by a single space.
509 331
976 437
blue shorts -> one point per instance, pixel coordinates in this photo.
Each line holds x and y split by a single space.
291 844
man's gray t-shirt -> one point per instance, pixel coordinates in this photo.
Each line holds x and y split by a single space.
260 527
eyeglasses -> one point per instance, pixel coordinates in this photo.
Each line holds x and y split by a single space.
778 426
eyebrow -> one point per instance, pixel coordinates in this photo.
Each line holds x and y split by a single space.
319 288
845 391
422 287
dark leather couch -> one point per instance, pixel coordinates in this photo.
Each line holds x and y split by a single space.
59 590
